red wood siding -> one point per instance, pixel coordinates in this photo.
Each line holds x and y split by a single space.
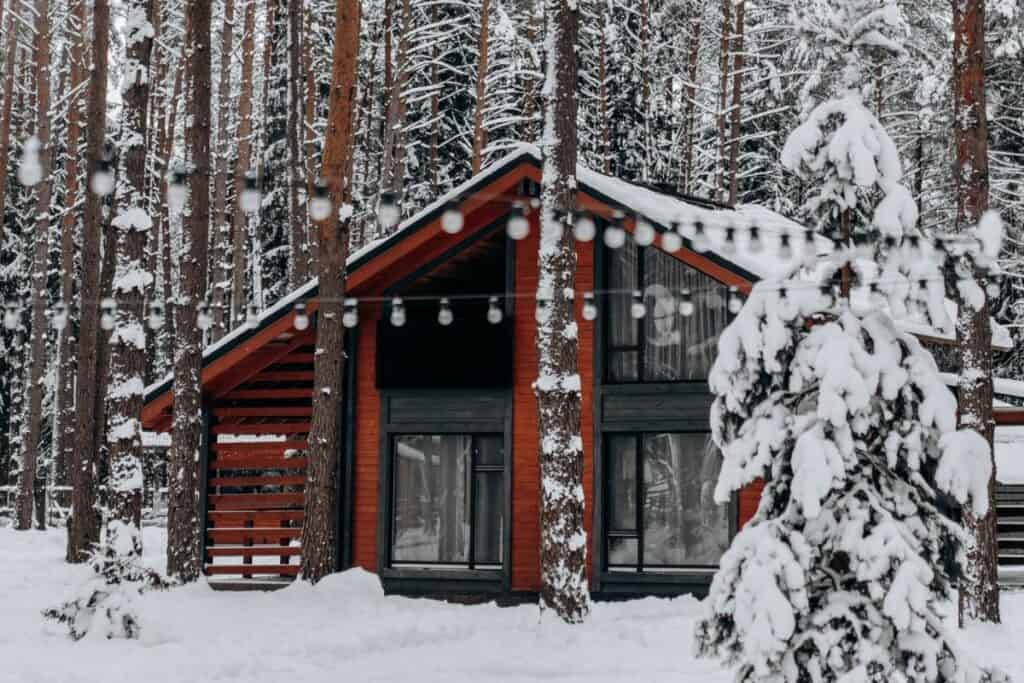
367 446
749 497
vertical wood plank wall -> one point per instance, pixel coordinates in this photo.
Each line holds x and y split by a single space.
367 445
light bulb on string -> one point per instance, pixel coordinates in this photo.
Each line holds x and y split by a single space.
643 233
729 245
584 229
397 316
350 316
755 245
102 181
445 317
252 316
203 319
177 192
637 308
301 320
250 198
541 310
60 316
517 226
494 313
320 205
452 219
108 308
686 307
589 307
155 319
614 234
30 171
387 209
672 241
735 300
810 252
700 238
785 246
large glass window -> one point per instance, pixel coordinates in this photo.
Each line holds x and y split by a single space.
449 500
664 346
661 512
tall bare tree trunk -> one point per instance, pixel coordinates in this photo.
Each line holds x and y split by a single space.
979 590
298 264
27 476
320 527
563 547
221 223
309 160
435 109
5 114
603 94
242 167
163 213
737 96
183 533
479 133
84 525
723 96
689 109
394 132
128 344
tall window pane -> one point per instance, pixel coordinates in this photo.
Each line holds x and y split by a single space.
489 518
682 523
623 330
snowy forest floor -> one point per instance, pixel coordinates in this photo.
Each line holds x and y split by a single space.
346 630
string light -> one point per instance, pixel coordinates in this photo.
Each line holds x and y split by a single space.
755 245
102 181
203 319
810 248
700 238
643 233
30 171
350 316
494 312
735 301
320 205
637 309
614 234
445 317
585 228
301 321
686 307
397 312
109 308
589 307
387 209
729 246
517 226
250 199
785 247
155 319
672 241
540 313
252 317
60 316
993 289
177 193
452 220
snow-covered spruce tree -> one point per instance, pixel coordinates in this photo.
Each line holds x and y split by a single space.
846 571
563 542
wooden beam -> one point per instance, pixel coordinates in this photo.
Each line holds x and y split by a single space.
254 536
265 518
256 363
253 551
263 428
262 411
255 501
267 480
281 569
1009 416
259 447
282 376
270 394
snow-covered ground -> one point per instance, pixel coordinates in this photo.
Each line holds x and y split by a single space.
346 630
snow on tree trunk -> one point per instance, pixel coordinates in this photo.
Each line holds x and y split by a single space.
479 134
846 571
558 390
183 514
298 265
240 218
221 240
979 594
28 474
7 104
320 528
84 525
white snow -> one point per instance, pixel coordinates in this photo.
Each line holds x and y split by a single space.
1009 452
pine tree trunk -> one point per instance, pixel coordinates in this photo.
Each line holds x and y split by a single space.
310 38
689 109
320 528
435 109
563 540
298 265
479 134
242 167
37 350
221 223
84 525
979 590
5 114
605 123
128 345
394 142
737 96
163 213
183 533
723 95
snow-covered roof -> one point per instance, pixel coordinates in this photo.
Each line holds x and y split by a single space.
1009 454
1000 385
659 208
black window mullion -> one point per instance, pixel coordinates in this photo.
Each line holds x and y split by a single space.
472 502
639 503
641 327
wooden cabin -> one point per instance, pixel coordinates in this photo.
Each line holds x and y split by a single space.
439 484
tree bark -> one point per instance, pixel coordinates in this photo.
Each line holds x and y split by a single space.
163 212
394 134
128 344
479 134
723 95
28 474
5 114
690 106
320 528
298 264
737 95
979 590
242 167
221 223
563 540
84 525
183 515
